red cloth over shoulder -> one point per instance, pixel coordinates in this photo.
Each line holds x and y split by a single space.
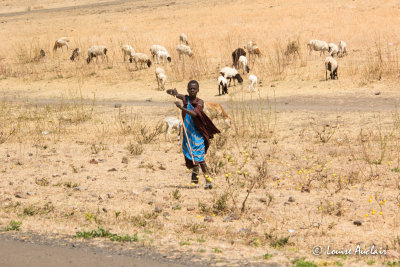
203 123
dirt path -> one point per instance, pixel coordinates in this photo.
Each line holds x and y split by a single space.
282 104
65 8
24 253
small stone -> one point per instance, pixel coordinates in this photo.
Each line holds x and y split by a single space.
8 155
377 93
10 183
64 173
88 177
166 214
234 216
55 175
105 210
112 170
100 197
147 189
228 219
134 192
263 200
93 161
77 188
208 219
30 154
305 189
358 223
100 160
291 199
124 160
30 193
245 230
273 85
19 195
158 209
109 195
117 105
150 202
149 99
191 208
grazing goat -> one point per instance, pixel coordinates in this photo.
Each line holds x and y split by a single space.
184 50
63 41
162 55
155 48
236 55
172 122
161 77
231 73
75 54
215 110
140 58
243 64
183 39
127 50
318 45
253 49
342 48
331 65
222 82
253 82
96 51
333 49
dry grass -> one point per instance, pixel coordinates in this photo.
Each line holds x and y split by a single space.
314 172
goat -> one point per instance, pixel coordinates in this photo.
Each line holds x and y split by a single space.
75 54
141 58
331 65
215 110
253 82
172 122
231 73
127 50
183 39
161 77
243 64
222 82
96 51
236 55
63 41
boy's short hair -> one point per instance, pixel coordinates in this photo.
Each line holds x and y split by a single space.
195 82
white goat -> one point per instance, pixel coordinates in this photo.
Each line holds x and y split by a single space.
140 58
318 45
222 82
161 77
253 82
331 65
243 64
96 51
162 55
172 122
231 73
127 50
183 39
333 49
63 41
342 48
155 48
184 50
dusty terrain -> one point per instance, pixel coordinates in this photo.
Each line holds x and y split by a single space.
81 148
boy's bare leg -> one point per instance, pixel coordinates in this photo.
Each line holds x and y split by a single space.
205 171
195 174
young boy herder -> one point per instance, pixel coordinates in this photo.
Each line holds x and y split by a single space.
199 130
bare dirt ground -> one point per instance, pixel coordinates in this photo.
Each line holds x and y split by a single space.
305 163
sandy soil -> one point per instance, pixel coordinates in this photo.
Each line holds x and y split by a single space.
328 151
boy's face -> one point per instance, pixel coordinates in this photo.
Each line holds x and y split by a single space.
193 89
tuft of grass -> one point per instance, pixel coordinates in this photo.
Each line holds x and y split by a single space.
279 242
303 263
135 148
267 256
217 250
12 226
176 194
101 232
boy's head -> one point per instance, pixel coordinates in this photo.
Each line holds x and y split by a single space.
193 88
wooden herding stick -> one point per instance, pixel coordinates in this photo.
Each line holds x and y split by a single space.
187 138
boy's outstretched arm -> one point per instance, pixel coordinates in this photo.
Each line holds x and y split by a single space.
174 92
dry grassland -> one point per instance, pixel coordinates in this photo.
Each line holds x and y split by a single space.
303 160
